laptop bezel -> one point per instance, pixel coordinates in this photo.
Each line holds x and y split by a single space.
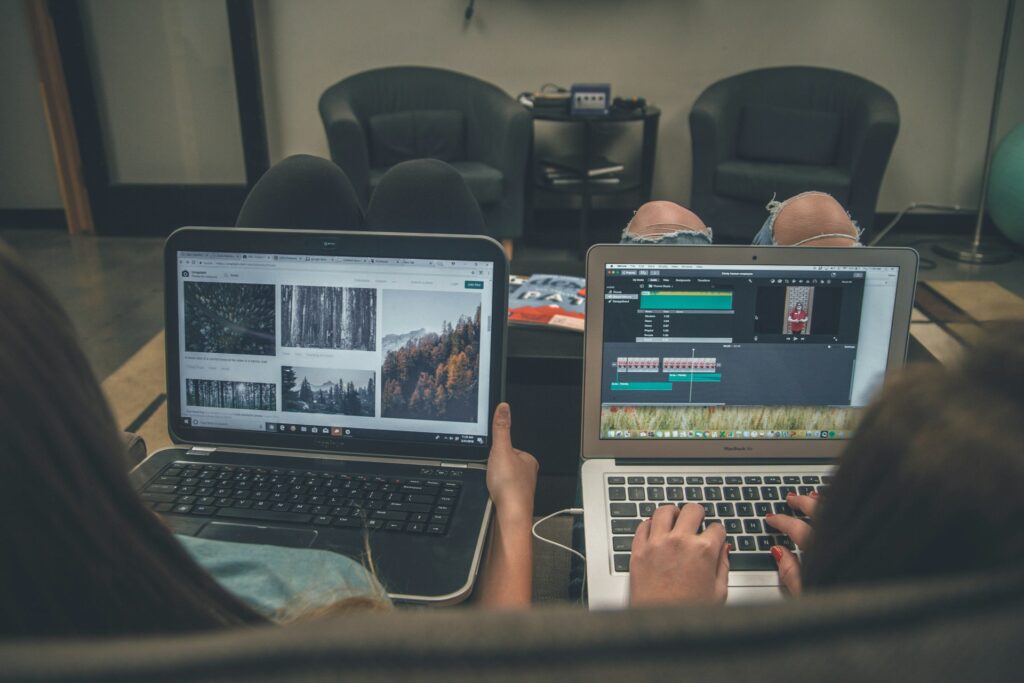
341 243
593 447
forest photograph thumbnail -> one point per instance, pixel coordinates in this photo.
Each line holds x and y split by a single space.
328 391
218 393
342 318
223 317
431 368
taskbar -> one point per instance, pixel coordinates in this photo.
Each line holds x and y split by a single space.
745 434
352 433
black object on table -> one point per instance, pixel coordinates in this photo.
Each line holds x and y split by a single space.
587 188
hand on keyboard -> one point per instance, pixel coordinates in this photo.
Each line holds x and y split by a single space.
673 561
800 532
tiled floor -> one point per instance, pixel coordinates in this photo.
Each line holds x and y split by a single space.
112 286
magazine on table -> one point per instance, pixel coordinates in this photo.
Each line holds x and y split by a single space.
548 300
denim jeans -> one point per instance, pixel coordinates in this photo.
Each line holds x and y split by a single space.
766 235
680 236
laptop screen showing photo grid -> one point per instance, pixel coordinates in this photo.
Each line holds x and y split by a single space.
742 352
352 347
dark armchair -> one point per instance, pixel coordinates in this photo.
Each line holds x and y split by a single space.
382 117
785 130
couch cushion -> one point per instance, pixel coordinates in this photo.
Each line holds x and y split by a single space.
417 134
485 182
780 134
756 181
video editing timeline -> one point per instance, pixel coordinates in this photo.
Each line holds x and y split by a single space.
689 337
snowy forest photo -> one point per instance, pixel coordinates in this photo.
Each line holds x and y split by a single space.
216 393
229 318
343 318
431 367
328 390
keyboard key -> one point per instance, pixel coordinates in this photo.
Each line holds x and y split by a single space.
159 497
398 506
674 493
621 562
435 529
625 526
785 542
675 480
826 479
161 488
322 520
636 492
616 493
734 481
264 515
732 493
717 481
762 509
656 480
709 509
786 490
752 526
747 543
811 479
636 481
744 509
773 480
204 510
782 509
725 510
622 544
415 527
695 481
655 493
712 493
805 490
694 493
752 480
647 509
623 509
394 526
348 522
733 526
180 509
751 493
765 542
616 480
791 479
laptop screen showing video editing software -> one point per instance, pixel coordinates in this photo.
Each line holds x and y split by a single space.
346 347
742 352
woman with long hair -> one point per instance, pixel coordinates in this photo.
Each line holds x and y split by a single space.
83 555
928 486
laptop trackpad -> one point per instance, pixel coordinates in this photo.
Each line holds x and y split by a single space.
267 535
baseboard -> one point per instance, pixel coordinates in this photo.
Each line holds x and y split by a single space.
33 218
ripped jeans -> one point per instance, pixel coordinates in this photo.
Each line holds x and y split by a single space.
678 235
766 235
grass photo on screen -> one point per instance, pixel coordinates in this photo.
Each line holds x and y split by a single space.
342 318
218 393
229 318
431 343
328 391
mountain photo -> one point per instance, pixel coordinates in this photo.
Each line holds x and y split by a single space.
431 368
343 318
222 317
328 391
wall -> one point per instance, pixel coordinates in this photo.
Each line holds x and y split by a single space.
936 56
28 177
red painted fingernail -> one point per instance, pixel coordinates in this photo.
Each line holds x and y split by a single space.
728 547
770 514
790 494
777 553
814 494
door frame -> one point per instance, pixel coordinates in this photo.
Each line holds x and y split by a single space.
158 208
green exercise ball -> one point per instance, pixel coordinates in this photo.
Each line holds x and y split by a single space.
1006 186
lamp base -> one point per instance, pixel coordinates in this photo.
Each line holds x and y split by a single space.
964 251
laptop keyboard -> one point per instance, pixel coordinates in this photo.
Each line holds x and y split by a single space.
737 501
307 497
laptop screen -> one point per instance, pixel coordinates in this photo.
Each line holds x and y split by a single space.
338 347
742 352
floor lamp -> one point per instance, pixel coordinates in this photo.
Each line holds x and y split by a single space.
973 251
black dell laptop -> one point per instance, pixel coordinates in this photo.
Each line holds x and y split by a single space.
334 390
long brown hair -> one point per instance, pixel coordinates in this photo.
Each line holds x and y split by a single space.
79 553
933 481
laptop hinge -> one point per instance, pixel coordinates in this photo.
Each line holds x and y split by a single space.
460 465
201 450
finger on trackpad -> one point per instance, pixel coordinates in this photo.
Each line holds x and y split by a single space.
268 535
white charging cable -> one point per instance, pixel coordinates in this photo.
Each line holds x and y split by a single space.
567 511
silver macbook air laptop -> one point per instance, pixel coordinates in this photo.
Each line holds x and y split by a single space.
726 376
334 390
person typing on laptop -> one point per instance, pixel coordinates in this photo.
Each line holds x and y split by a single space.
925 488
83 554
